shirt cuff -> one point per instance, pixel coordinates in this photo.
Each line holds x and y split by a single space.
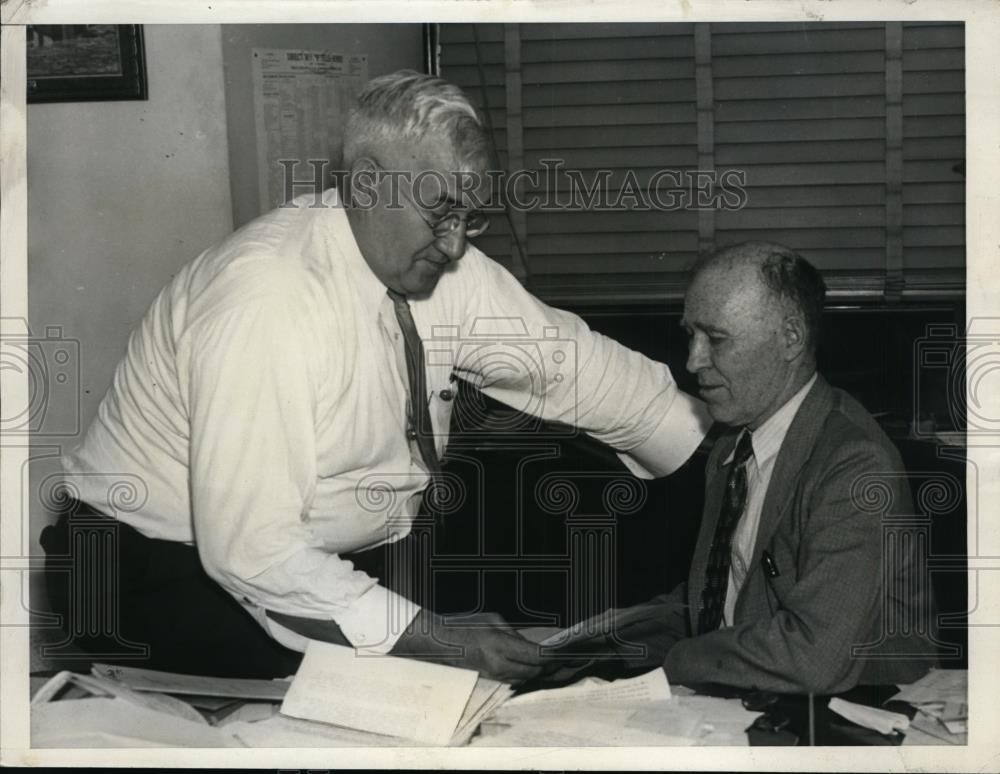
376 619
673 441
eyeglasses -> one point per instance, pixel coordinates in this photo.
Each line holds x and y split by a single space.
476 221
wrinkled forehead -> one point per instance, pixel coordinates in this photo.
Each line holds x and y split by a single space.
727 294
435 166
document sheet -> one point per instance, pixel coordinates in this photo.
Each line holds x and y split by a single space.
379 694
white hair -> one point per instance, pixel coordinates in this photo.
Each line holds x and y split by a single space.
407 105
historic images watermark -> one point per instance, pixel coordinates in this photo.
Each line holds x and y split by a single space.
548 188
50 361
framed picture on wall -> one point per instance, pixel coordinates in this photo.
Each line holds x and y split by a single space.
85 62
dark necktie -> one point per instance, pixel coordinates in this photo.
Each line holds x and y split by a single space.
713 596
418 415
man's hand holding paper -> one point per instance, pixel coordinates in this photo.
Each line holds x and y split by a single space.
493 649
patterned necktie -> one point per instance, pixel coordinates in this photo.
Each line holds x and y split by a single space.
418 414
713 596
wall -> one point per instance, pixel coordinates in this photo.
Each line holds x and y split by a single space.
120 196
389 47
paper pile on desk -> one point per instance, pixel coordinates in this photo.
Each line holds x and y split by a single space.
73 710
941 699
392 697
595 713
724 721
879 720
195 687
337 698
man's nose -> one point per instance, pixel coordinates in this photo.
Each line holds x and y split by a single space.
453 243
697 354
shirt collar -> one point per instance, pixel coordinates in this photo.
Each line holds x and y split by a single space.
369 287
767 438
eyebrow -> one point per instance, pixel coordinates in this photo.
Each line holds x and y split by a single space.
687 325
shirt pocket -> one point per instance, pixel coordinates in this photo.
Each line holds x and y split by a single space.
442 403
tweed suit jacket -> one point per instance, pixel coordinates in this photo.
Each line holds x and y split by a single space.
849 606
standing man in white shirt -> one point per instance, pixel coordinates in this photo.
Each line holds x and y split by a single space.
792 587
279 404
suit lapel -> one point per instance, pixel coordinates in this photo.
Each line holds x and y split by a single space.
792 456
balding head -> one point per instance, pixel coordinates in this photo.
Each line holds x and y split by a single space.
753 313
796 286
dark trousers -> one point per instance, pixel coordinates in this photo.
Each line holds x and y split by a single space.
128 599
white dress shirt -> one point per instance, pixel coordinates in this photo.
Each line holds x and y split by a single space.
766 441
262 404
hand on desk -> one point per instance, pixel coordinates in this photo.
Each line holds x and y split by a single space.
483 642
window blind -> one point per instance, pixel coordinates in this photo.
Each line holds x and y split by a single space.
849 136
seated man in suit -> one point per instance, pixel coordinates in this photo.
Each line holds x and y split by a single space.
791 588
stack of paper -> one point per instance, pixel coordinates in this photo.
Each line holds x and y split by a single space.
337 698
593 712
724 721
219 699
82 711
941 698
392 697
194 686
879 720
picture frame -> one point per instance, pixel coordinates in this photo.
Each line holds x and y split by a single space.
85 62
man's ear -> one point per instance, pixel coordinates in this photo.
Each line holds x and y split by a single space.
363 184
794 336
363 164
